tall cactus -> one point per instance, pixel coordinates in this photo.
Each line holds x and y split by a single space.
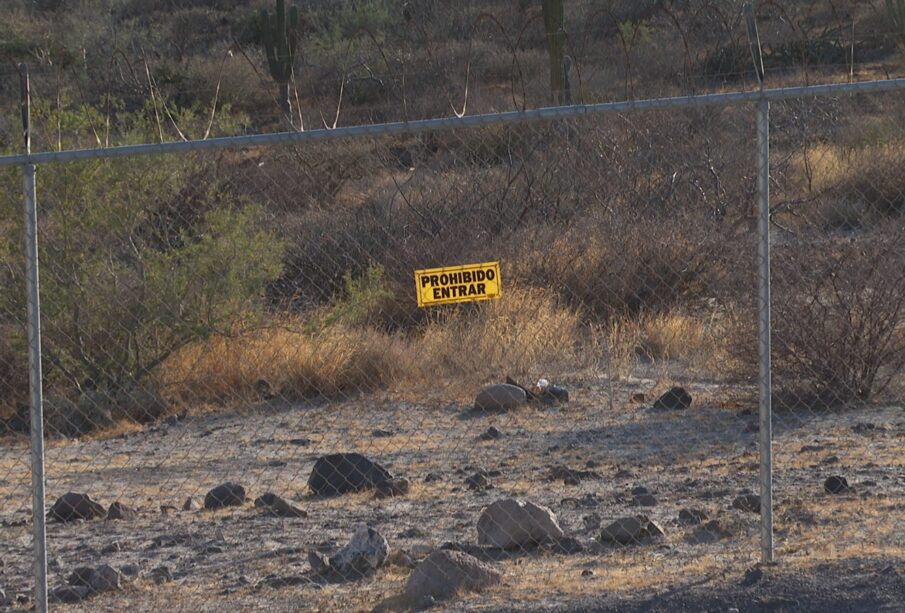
554 17
895 9
280 41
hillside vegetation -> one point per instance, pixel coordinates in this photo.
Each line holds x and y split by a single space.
624 239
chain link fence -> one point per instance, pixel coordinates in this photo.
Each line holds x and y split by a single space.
243 402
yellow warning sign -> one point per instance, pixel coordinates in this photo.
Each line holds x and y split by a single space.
457 283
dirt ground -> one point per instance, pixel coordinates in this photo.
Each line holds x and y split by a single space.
834 552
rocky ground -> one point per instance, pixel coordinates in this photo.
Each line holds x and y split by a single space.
588 462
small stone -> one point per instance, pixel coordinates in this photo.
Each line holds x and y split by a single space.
273 505
432 477
644 500
105 578
713 531
640 490
691 517
491 434
365 553
629 530
637 398
69 593
301 442
592 521
587 573
478 482
226 495
500 398
189 504
382 433
400 559
675 398
4 600
393 487
445 573
837 485
160 575
130 570
752 576
118 510
72 506
747 502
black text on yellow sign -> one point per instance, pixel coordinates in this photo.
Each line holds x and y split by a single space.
458 283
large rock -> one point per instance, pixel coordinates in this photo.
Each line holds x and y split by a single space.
340 473
445 573
72 506
511 523
225 495
365 553
500 398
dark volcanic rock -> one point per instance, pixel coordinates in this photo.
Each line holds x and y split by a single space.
72 506
273 505
491 434
478 482
630 530
691 517
675 398
837 485
340 473
226 495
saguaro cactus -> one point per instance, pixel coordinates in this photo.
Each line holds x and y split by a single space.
556 48
280 41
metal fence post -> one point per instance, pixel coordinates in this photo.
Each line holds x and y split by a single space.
763 234
35 387
35 378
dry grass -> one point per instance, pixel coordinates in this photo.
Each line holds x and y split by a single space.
525 332
848 186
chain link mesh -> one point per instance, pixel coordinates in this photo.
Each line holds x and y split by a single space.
220 327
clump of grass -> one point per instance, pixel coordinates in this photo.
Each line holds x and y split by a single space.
336 361
526 333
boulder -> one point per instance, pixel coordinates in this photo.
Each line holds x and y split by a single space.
675 398
445 573
225 495
630 530
72 506
340 473
365 553
500 398
118 510
512 523
273 505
